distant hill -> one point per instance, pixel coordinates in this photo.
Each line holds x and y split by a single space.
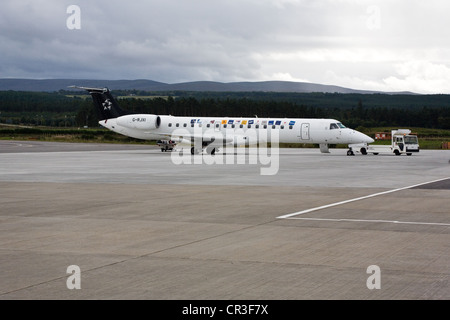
51 85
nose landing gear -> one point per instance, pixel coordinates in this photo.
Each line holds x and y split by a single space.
356 148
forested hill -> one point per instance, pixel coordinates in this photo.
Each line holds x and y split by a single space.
72 108
53 85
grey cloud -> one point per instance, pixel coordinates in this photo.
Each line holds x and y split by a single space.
229 40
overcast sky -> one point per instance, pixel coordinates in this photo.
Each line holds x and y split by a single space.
390 45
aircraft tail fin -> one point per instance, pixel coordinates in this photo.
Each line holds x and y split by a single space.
107 107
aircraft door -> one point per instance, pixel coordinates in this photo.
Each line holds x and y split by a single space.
304 131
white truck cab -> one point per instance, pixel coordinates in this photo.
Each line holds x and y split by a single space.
402 142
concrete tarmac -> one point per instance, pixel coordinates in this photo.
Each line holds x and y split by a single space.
139 225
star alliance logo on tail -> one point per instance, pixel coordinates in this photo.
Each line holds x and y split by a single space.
107 105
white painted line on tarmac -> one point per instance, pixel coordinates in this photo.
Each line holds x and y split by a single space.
288 216
376 221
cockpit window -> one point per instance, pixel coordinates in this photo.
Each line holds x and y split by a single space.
333 126
340 125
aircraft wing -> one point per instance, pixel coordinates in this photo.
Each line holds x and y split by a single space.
205 138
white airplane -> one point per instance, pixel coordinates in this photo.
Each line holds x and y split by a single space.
210 133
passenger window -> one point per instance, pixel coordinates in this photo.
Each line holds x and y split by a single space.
257 126
170 124
273 127
233 126
265 126
192 125
184 125
290 127
208 125
249 126
217 125
241 126
282 127
224 125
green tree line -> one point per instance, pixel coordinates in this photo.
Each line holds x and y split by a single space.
62 108
352 115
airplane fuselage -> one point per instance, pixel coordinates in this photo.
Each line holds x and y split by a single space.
286 130
214 132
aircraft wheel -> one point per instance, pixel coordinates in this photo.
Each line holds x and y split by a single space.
350 153
363 151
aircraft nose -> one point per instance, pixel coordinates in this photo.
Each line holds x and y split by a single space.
364 138
359 137
369 140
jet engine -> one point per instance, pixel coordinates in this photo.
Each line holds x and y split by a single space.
139 121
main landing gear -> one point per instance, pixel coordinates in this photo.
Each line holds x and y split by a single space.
209 150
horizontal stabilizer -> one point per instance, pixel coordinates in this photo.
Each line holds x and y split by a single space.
98 90
107 106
